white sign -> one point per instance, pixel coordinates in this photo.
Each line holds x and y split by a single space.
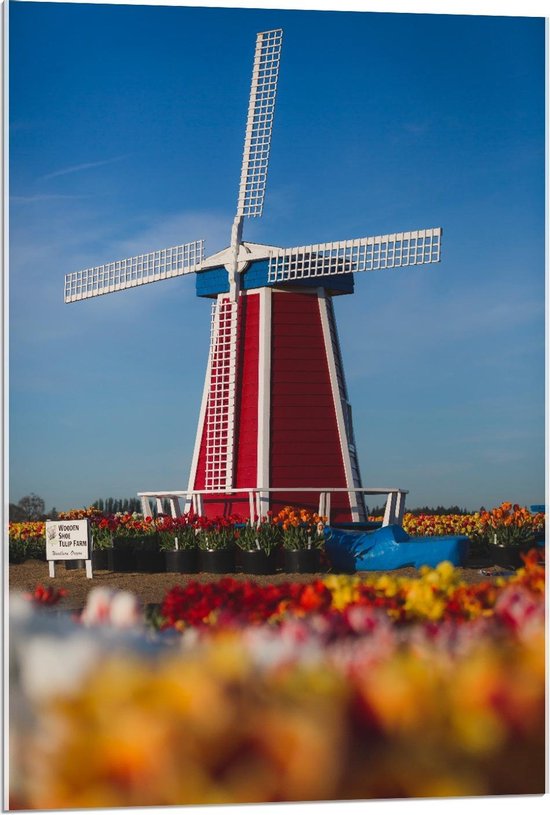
68 540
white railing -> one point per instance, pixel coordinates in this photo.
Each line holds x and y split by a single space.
258 500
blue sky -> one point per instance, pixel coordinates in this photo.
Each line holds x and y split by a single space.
126 129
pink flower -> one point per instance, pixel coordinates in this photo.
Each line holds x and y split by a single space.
517 607
119 609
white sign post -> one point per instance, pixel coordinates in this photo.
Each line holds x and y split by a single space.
68 540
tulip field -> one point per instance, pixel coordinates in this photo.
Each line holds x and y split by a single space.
28 538
341 687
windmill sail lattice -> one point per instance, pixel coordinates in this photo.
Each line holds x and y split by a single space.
135 271
275 415
259 124
359 255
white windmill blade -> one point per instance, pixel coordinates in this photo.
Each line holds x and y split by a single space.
359 255
259 123
135 271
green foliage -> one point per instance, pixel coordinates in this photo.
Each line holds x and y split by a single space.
266 536
302 537
30 549
153 617
103 538
216 535
17 551
36 549
187 539
512 536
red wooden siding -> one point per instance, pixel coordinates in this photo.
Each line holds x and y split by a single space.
305 444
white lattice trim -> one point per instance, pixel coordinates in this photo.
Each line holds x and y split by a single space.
134 271
259 123
220 409
359 255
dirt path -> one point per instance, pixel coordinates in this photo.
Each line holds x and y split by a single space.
151 588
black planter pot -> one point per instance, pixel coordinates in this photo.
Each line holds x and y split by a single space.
508 556
75 564
257 561
121 560
217 561
149 561
183 561
101 559
302 561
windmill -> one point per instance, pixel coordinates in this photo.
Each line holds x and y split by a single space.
275 414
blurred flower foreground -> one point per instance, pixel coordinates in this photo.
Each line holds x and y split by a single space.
235 692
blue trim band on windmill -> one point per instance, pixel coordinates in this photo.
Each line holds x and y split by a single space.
216 281
275 414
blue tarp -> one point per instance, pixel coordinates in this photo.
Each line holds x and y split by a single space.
390 547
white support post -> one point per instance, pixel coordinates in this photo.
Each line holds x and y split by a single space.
160 509
233 266
264 392
145 507
198 504
326 513
400 507
337 396
175 506
259 498
389 514
251 507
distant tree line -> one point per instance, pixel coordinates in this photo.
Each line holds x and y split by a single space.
112 505
32 508
426 511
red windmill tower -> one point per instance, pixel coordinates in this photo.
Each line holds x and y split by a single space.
275 423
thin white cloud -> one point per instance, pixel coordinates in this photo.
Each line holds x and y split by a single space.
416 128
39 197
44 247
414 317
76 168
